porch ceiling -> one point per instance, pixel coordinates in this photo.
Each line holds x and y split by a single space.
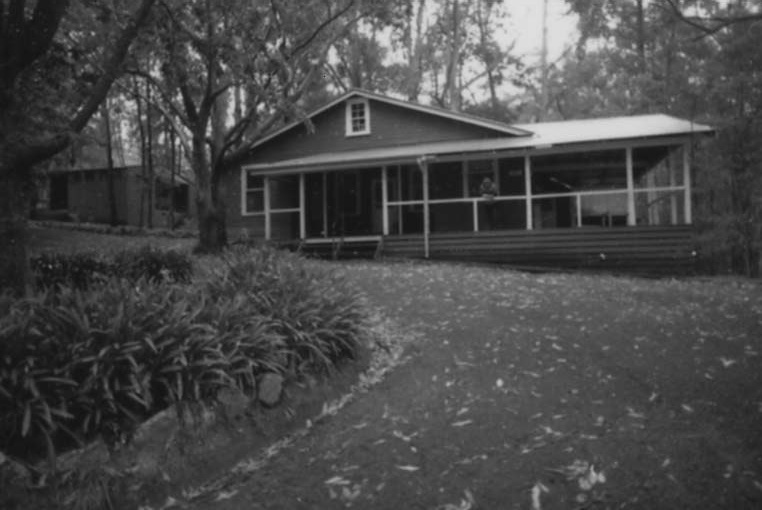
544 135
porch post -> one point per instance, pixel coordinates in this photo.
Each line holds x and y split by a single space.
631 220
302 211
325 204
268 232
687 183
672 194
528 190
385 200
424 167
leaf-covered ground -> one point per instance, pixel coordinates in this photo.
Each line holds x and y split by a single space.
530 392
539 392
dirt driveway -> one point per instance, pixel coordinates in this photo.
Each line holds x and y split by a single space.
539 392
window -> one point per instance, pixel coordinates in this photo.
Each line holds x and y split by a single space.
358 117
254 193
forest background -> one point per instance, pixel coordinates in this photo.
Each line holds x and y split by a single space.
192 85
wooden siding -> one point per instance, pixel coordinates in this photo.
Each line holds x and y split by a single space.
390 126
652 250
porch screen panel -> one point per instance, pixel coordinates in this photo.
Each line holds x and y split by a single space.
604 210
284 192
315 208
446 180
502 215
657 167
660 207
406 219
284 225
478 170
404 183
451 217
284 207
583 171
555 212
659 185
511 176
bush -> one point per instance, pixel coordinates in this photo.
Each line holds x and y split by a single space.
80 270
77 363
154 264
317 313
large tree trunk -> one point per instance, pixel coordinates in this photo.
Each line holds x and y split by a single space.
15 187
210 209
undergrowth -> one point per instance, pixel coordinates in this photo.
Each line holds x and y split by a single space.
79 361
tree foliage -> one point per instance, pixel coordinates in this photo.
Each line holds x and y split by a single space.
58 60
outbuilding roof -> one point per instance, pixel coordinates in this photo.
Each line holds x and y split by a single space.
539 135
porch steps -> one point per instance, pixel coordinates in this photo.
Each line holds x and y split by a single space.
341 249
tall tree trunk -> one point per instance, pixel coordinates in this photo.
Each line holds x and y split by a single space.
105 111
172 165
641 37
544 92
142 137
415 51
151 173
452 91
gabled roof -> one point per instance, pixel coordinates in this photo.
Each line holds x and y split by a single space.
544 135
498 127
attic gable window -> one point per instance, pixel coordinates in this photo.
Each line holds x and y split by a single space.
358 117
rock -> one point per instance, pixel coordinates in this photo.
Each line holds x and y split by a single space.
270 389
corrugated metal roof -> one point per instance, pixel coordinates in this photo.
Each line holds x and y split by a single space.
544 135
611 128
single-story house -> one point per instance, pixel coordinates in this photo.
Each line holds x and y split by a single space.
404 179
83 193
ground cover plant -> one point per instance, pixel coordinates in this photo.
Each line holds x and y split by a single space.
89 357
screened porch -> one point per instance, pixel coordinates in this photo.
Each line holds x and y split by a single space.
645 184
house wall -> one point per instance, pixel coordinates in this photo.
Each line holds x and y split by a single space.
390 126
88 196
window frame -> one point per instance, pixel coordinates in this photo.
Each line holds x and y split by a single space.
348 117
246 190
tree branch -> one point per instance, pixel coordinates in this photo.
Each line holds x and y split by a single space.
112 67
717 22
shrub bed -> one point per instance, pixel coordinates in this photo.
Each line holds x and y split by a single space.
96 360
80 270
